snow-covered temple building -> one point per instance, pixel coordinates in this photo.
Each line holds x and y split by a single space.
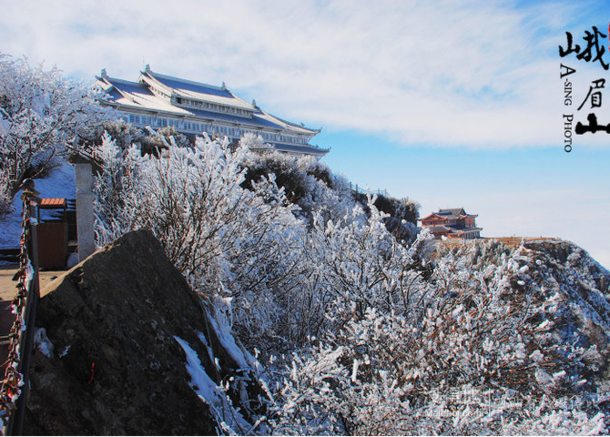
158 101
452 223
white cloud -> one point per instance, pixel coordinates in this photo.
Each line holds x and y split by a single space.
479 73
474 73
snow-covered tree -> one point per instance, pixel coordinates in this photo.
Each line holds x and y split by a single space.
40 112
358 332
254 142
245 243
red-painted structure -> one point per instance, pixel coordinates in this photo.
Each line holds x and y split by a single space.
453 223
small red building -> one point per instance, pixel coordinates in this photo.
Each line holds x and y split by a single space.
453 223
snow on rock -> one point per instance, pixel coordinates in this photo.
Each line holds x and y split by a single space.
226 415
42 342
221 322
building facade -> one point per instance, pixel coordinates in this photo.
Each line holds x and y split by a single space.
453 223
159 101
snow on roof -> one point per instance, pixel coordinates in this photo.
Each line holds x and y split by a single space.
256 119
197 91
138 95
286 124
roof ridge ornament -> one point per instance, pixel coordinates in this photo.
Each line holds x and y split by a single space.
224 86
104 74
147 68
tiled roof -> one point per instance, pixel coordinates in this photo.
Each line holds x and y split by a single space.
198 91
432 216
454 213
190 86
155 93
52 203
138 95
257 119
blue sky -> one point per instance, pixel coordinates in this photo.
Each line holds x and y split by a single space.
452 103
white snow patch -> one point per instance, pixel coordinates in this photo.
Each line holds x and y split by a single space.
42 342
64 352
355 371
226 416
222 325
537 356
72 260
543 378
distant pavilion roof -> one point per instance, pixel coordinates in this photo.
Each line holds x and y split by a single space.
454 212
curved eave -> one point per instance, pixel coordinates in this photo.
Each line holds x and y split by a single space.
300 148
433 216
465 231
255 124
287 125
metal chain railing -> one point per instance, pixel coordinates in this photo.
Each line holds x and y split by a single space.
14 386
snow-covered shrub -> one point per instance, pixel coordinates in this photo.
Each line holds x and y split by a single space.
361 333
282 273
122 132
362 266
254 142
213 230
464 358
307 182
40 111
154 141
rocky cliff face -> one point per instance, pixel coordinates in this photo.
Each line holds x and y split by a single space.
112 352
574 291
